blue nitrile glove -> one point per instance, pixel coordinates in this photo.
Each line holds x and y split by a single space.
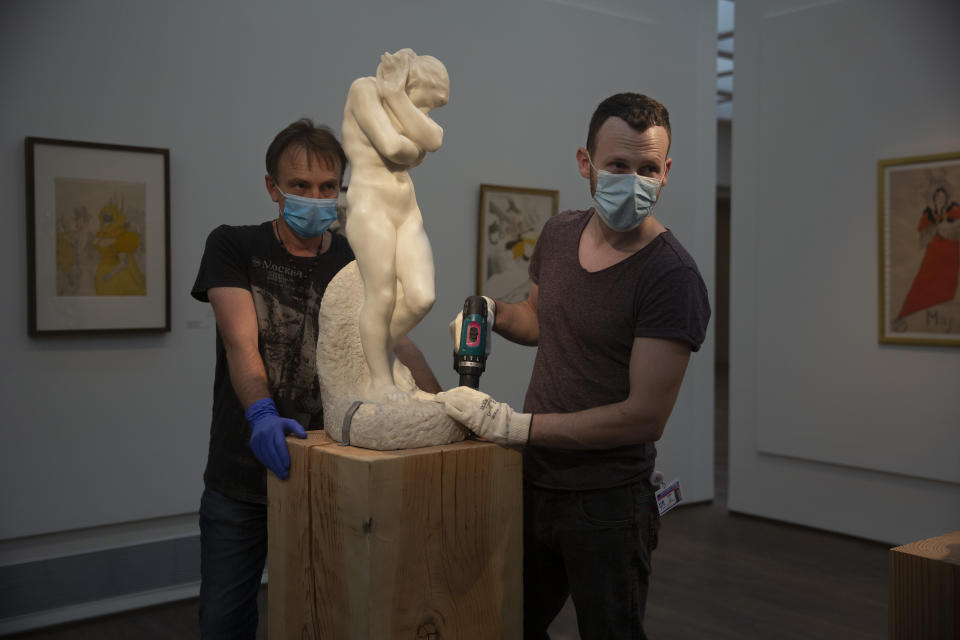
268 441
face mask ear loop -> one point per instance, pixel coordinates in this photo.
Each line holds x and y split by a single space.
660 185
277 187
596 172
590 160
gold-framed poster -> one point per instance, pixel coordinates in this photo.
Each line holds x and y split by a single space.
511 219
919 219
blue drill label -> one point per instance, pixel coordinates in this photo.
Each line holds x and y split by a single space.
473 339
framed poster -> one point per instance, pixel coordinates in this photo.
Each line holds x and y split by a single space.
98 237
919 219
510 222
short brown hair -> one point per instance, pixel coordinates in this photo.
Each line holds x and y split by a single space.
637 110
316 140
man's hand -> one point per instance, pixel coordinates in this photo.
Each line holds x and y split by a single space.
269 436
486 417
457 325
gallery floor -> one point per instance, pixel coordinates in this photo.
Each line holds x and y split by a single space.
717 575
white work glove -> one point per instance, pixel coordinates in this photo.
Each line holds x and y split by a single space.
457 325
486 417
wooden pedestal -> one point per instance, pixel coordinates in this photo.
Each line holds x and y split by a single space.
418 543
925 589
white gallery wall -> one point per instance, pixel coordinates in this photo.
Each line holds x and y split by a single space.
829 428
105 438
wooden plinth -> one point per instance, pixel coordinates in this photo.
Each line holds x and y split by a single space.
925 589
418 543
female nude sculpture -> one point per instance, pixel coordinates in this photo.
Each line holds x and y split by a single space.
386 132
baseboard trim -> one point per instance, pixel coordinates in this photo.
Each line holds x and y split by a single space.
61 544
87 610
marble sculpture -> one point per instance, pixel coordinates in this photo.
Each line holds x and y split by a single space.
390 287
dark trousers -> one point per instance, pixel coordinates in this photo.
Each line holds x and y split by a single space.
233 551
594 546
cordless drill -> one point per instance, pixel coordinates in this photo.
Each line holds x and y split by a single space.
471 358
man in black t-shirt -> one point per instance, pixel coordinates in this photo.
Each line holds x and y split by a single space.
616 306
265 283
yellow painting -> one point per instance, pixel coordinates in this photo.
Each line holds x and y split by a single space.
101 243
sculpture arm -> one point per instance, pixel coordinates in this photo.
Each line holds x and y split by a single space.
415 124
237 322
657 367
519 321
363 102
410 355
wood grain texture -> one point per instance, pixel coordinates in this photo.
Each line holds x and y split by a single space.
396 544
925 589
290 563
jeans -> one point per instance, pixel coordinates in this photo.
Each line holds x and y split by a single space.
233 551
594 546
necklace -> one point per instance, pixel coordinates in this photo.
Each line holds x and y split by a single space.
276 230
296 262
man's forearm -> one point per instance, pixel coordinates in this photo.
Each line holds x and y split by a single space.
517 322
247 375
237 325
604 427
410 355
640 417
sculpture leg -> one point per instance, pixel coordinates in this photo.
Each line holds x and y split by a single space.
416 276
375 248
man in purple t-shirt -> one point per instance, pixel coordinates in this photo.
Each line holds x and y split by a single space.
616 306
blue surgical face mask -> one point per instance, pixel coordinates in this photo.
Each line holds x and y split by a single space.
308 217
624 200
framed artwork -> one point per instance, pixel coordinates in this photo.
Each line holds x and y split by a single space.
510 222
98 237
919 215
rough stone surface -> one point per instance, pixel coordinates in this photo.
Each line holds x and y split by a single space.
343 373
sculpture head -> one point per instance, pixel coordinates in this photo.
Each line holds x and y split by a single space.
428 83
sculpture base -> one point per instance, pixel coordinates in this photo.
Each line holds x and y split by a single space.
419 543
344 378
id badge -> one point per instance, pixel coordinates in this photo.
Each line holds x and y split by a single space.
669 496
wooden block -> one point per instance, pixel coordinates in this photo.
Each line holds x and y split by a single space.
925 589
418 543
